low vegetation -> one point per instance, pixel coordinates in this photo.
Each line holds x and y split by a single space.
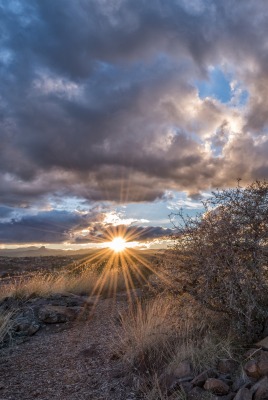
220 257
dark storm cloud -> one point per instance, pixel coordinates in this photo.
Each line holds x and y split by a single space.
46 227
98 98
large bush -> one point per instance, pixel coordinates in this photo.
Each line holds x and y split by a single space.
221 255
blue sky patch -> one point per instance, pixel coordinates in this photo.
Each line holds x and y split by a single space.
217 85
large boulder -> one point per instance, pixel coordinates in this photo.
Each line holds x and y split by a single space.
50 314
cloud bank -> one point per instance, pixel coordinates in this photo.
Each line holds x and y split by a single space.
101 100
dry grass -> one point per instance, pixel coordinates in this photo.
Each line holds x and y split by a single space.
158 335
146 334
6 326
161 334
41 284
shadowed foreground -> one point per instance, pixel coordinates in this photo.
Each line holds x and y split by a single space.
71 364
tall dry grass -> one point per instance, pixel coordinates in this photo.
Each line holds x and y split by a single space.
146 332
163 332
156 336
6 326
41 284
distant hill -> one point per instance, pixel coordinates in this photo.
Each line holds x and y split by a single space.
33 251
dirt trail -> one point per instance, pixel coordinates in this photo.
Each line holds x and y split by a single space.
71 364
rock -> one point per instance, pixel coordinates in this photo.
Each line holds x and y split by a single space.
216 386
200 379
170 380
263 343
262 363
227 366
25 323
242 381
258 367
56 314
69 300
33 328
260 389
27 328
251 369
243 394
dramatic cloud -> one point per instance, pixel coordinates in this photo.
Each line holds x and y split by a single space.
121 100
72 227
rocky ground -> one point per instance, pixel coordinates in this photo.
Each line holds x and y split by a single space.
64 348
66 352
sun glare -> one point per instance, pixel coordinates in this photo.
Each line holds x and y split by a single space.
117 244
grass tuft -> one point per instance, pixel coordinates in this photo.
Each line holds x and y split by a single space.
164 331
6 326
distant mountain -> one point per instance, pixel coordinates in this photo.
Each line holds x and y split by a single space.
33 251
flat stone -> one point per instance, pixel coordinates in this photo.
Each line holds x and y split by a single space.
216 386
56 314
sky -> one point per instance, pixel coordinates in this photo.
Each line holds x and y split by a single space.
116 113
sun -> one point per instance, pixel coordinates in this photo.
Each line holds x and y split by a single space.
117 244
